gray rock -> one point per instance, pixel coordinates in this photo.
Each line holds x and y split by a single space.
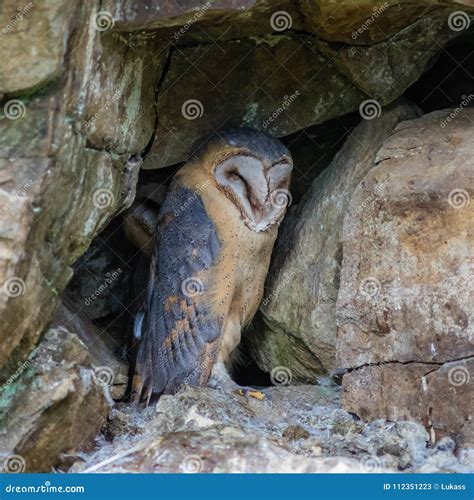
204 430
53 403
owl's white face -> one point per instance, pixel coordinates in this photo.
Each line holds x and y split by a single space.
259 191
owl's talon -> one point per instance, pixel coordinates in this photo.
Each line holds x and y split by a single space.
253 393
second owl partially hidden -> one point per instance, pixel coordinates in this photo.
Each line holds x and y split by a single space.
213 243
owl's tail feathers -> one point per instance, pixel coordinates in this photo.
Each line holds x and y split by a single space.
146 371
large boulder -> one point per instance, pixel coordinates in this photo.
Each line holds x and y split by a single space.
298 313
284 82
405 306
54 403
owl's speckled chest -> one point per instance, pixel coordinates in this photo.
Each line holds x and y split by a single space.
242 265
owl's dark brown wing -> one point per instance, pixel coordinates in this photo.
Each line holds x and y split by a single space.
178 331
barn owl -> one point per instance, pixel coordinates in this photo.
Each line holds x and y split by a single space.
213 242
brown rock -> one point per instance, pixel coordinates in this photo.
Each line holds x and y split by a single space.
272 82
406 290
203 21
298 328
370 21
438 396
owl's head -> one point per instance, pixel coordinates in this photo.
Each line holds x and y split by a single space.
253 170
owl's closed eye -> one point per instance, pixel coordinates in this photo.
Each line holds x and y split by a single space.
253 186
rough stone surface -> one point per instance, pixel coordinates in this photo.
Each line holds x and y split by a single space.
301 430
367 21
287 71
53 403
105 350
198 20
33 40
298 325
406 292
69 160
